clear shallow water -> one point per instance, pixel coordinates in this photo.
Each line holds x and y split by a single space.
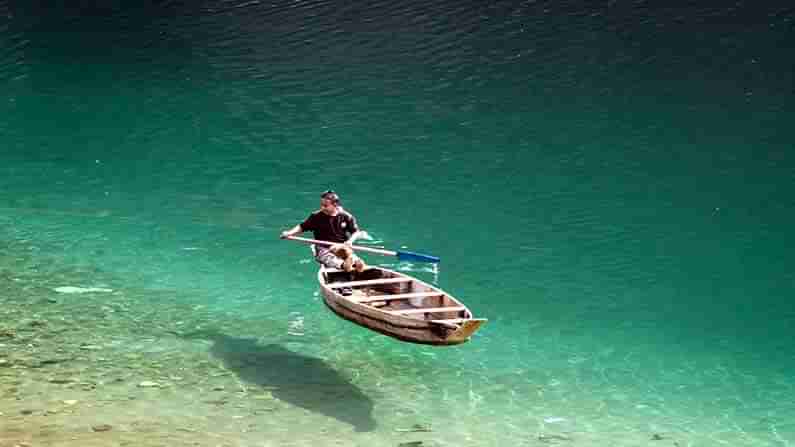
611 188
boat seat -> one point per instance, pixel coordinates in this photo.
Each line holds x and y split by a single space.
397 296
333 270
368 282
427 310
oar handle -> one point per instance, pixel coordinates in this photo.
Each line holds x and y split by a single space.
355 247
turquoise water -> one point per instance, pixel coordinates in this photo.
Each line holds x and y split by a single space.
612 187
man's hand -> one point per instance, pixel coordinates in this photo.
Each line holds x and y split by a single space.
291 232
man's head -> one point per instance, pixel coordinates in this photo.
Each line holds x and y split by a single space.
329 202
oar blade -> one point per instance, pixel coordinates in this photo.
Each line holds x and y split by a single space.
417 257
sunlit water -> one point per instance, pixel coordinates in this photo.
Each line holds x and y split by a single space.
612 187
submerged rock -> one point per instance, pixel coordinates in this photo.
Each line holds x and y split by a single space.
416 428
90 347
552 438
49 361
72 289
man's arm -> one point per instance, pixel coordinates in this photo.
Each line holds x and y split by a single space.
358 234
292 231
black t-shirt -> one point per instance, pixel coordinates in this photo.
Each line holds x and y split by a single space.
331 228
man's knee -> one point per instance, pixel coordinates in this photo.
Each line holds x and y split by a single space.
329 260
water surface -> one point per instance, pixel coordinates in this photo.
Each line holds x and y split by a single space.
611 186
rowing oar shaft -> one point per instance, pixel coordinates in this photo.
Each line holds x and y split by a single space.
402 255
355 247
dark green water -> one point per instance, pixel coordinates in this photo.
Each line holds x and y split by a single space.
612 186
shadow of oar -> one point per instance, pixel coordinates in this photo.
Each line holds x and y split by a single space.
303 381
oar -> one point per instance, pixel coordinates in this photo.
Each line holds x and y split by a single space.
402 255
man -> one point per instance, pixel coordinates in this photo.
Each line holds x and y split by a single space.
332 223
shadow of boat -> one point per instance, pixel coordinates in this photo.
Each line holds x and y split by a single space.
303 381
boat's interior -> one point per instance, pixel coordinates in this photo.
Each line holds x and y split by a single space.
399 295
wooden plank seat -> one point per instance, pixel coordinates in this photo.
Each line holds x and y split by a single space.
368 282
397 296
333 270
426 310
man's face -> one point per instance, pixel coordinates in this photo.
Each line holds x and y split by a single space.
328 207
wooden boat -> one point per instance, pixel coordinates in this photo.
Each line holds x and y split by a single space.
398 305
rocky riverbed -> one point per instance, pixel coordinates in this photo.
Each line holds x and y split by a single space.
87 360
